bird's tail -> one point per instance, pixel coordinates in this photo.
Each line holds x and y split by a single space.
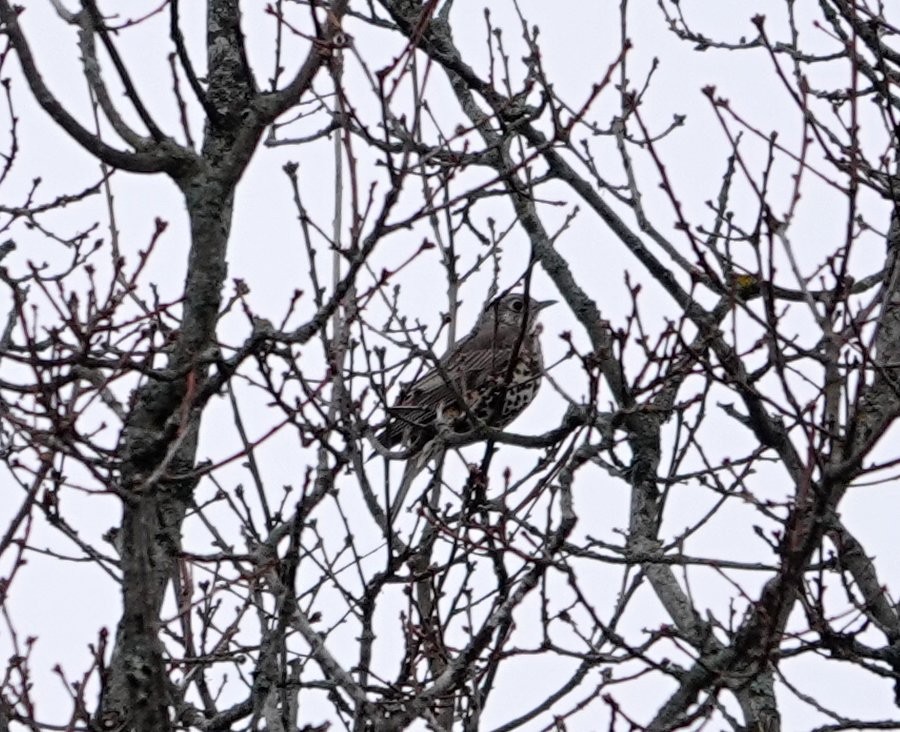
413 467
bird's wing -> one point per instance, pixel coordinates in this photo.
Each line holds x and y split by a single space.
471 363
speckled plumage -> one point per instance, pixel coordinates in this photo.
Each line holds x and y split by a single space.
474 379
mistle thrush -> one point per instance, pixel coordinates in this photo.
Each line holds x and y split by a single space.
474 383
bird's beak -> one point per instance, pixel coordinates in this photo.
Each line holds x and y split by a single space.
544 304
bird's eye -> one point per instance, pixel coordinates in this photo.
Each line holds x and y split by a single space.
517 306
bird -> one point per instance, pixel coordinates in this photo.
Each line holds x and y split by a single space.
488 378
